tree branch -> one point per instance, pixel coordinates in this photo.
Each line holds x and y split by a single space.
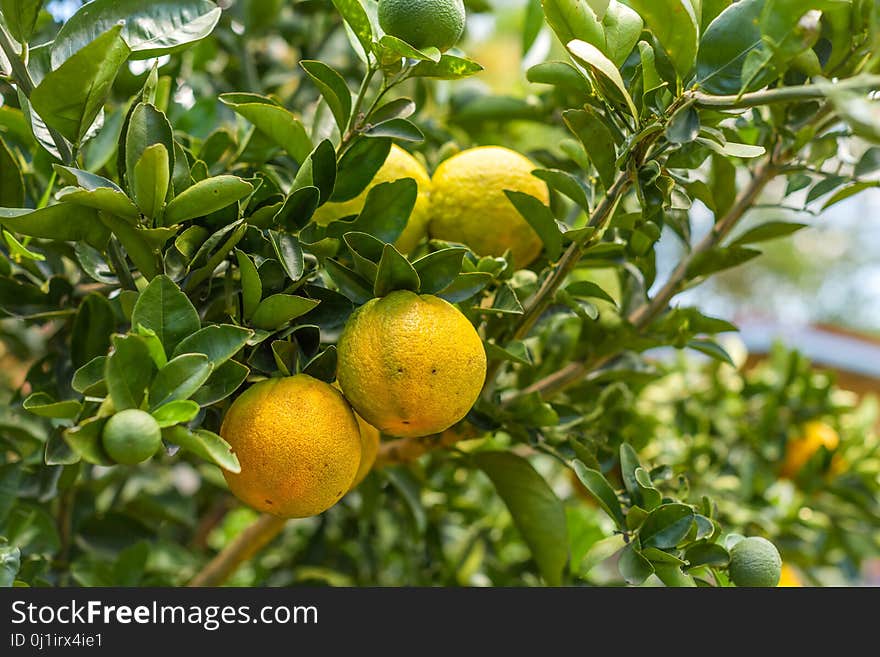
803 92
243 547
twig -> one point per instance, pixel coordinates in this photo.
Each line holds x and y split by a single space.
247 544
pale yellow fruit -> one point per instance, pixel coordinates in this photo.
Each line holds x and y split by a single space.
469 206
398 165
799 451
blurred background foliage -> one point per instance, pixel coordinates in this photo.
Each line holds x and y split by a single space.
438 521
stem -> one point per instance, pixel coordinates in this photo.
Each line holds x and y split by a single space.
247 544
25 82
783 95
544 296
356 109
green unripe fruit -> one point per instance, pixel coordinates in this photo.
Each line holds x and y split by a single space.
131 437
424 23
755 562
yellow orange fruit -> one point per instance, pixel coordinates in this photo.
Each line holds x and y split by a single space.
469 206
399 164
411 365
298 443
799 451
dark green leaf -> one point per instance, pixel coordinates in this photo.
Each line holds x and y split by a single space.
350 283
146 126
219 343
725 46
537 512
204 444
21 18
707 554
599 487
90 336
11 182
541 219
394 273
205 197
359 166
129 370
565 183
179 379
166 310
334 89
70 97
588 290
465 286
356 18
289 253
768 231
634 568
712 349
597 139
150 29
273 121
385 213
41 404
720 259
400 129
666 525
224 380
251 285
60 222
684 126
279 309
438 270
677 28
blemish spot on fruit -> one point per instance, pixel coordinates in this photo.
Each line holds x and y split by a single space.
269 502
434 371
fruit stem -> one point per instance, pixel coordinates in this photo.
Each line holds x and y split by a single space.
243 547
782 95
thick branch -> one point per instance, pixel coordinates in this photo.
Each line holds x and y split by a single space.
247 544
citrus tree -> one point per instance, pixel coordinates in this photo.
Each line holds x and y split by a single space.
278 261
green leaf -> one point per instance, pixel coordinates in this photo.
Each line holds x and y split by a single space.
868 163
385 214
601 551
61 222
298 209
10 559
136 244
537 512
323 366
596 483
565 183
634 567
90 335
11 181
767 231
389 50
273 121
224 380
592 57
88 380
204 444
506 301
449 67
179 411
319 170
707 554
351 284
534 21
289 253
597 140
150 179
146 126
394 273
399 129
166 310
849 191
107 200
514 351
85 440
666 525
334 89
129 370
21 18
358 166
41 404
70 97
725 45
179 379
279 309
731 149
684 126
205 197
251 285
629 463
589 290
354 15
437 270
676 27
719 259
560 74
712 349
614 29
150 29
541 219
465 286
219 343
